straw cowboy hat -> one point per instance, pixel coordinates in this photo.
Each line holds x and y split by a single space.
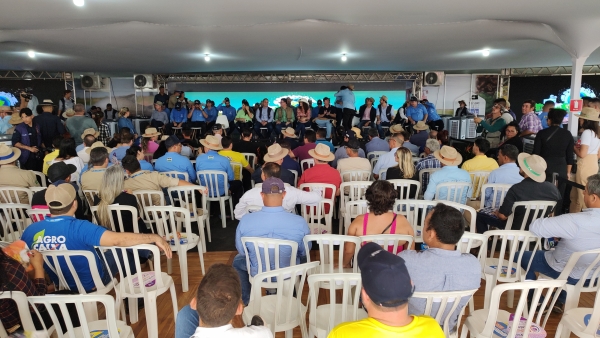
90 131
534 166
95 145
289 132
8 154
151 132
589 113
15 119
420 126
275 153
322 153
68 113
396 128
356 131
448 156
212 142
47 102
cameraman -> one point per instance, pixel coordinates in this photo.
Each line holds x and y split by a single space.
28 138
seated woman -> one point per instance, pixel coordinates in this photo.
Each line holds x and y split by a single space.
139 154
68 154
511 132
149 138
404 170
380 197
303 114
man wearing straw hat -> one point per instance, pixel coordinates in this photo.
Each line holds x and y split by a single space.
211 160
450 159
50 124
15 120
13 176
322 172
275 154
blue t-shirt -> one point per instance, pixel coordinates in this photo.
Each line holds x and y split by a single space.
117 154
417 113
213 161
176 162
327 143
67 233
145 165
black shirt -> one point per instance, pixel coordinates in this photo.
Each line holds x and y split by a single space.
39 198
50 127
515 141
528 190
394 173
33 136
327 111
554 142
164 98
129 200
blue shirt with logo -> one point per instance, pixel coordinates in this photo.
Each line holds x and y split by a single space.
213 161
212 114
230 111
432 114
117 154
172 161
197 116
178 116
67 233
416 113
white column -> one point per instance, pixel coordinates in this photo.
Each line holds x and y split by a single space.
576 71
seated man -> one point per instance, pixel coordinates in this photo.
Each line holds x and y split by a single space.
88 140
264 116
273 221
441 267
321 138
218 300
420 136
414 149
59 172
211 160
341 153
480 162
533 188
507 173
13 176
389 159
292 197
301 153
63 231
234 156
276 154
353 162
386 291
174 161
577 232
288 162
375 143
449 159
322 172
91 179
429 161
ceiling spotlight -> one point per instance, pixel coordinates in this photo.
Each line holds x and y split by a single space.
344 58
206 57
485 52
31 54
78 2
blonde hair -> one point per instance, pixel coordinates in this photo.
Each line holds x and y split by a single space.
405 162
112 186
123 111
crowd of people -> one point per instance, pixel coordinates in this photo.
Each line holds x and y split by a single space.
278 150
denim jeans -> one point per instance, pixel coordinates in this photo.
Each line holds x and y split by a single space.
325 124
280 126
239 264
258 125
380 128
484 221
186 323
301 128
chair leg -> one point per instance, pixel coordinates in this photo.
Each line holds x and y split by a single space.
133 310
289 334
231 208
201 261
464 332
151 314
200 222
174 301
223 216
490 282
510 298
183 267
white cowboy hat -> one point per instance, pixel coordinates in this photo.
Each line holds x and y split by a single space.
448 156
211 142
534 166
322 152
275 153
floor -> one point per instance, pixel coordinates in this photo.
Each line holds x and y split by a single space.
166 323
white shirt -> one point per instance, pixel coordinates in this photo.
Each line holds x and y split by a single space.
228 331
292 197
589 139
77 162
385 161
85 157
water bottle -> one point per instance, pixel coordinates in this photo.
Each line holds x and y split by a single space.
424 246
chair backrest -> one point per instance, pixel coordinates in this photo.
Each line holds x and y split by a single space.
526 312
42 178
89 196
342 309
14 219
327 253
533 211
404 187
169 223
276 256
237 168
186 197
307 164
178 175
354 191
15 195
36 189
149 198
287 307
313 214
117 224
36 215
295 176
80 302
62 263
465 208
455 191
390 242
353 210
496 193
355 175
415 212
589 260
251 158
210 179
424 175
20 299
443 306
512 244
478 179
375 154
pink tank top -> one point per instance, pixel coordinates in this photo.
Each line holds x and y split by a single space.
392 232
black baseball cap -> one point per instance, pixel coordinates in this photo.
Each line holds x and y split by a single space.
351 134
60 171
178 106
226 99
171 141
217 126
196 101
384 276
414 98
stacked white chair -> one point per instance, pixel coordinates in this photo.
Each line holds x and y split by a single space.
307 164
210 179
498 192
574 320
14 194
425 173
327 254
404 188
478 179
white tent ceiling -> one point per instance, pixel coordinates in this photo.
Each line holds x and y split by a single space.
150 36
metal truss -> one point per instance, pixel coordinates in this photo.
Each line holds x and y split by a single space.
503 86
33 75
290 77
550 71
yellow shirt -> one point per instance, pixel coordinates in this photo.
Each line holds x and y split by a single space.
480 163
420 327
48 160
234 156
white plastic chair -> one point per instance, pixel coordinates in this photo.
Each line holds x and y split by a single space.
177 174
314 213
20 300
425 174
415 212
327 254
482 323
89 326
147 285
282 311
170 221
574 321
149 198
270 260
502 268
210 179
352 191
237 168
388 241
307 164
533 210
36 215
498 192
465 208
186 196
447 307
355 175
36 189
323 318
455 191
478 179
42 178
295 176
117 225
352 210
222 120
13 219
251 158
89 196
471 240
17 195
404 187
373 157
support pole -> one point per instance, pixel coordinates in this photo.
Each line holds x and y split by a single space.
576 72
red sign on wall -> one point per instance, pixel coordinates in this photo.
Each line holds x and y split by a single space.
576 105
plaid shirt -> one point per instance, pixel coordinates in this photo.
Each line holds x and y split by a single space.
429 162
104 135
530 122
17 280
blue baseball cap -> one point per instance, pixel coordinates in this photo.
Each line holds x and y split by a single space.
384 276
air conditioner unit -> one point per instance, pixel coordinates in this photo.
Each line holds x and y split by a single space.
91 82
434 78
462 128
143 81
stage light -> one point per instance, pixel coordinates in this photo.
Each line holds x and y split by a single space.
485 52
31 54
206 57
79 2
344 58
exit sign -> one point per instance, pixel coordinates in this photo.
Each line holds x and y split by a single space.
576 105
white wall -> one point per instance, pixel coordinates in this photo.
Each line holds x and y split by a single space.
445 97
